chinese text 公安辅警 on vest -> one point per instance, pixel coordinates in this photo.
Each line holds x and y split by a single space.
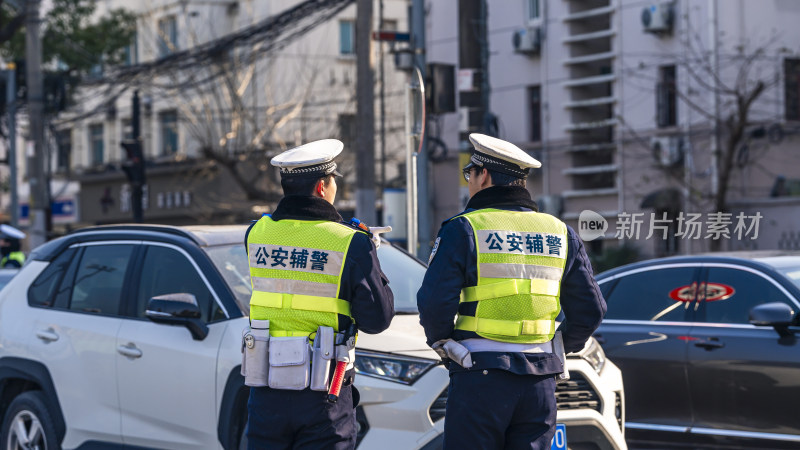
295 272
521 259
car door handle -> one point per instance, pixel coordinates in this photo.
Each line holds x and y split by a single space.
709 344
129 350
48 335
600 339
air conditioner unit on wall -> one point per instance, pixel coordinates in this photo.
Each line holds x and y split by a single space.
527 40
658 17
667 150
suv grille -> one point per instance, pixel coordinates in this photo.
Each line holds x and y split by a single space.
576 393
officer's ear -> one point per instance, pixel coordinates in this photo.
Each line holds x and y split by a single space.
484 178
319 188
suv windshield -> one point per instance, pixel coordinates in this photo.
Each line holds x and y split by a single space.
405 274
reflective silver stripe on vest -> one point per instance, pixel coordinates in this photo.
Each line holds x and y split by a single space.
520 271
294 287
488 345
299 259
522 243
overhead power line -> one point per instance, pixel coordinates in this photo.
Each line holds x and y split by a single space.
263 37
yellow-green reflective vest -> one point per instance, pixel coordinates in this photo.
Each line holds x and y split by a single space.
521 259
13 256
295 272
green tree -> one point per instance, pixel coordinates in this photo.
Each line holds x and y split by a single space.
73 36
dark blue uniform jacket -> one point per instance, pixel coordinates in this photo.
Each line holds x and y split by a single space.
363 283
454 266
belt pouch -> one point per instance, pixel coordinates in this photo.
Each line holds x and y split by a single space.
289 363
255 359
321 363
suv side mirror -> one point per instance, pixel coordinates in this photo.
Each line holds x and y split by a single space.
178 309
777 315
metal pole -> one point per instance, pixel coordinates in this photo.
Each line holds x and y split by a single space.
712 38
411 211
39 201
137 185
382 79
425 212
365 115
11 109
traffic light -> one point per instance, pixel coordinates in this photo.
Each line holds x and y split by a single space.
133 166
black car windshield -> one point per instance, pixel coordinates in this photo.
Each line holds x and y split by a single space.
405 274
792 273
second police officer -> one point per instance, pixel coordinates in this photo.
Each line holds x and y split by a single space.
308 269
498 276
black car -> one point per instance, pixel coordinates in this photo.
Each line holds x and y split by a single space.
708 349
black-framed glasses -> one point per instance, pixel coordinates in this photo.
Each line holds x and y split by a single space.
467 171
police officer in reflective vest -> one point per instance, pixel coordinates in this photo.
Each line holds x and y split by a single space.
498 276
10 247
310 268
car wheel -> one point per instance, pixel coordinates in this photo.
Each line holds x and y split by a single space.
28 425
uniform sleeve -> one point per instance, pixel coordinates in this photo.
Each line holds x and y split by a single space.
438 298
581 300
366 287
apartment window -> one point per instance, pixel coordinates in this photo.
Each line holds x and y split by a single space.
96 143
791 72
169 132
167 36
535 112
666 97
534 10
389 25
127 129
132 52
347 37
64 145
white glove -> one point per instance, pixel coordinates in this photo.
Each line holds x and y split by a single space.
448 348
376 232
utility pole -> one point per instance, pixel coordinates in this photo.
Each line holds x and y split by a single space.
365 115
11 110
39 199
472 54
425 213
713 34
382 99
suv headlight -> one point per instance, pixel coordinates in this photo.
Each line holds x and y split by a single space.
391 367
594 355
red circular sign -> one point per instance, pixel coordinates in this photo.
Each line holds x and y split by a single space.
709 292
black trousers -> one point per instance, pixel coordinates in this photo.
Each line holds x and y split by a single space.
500 410
280 419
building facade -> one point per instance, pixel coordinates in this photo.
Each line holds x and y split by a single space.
209 128
618 99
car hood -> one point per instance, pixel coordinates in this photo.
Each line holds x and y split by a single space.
404 336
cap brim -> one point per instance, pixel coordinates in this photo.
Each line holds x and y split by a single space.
470 166
336 173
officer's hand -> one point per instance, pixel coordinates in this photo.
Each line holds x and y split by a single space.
376 234
438 347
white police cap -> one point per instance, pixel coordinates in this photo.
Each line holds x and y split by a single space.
501 156
7 231
314 159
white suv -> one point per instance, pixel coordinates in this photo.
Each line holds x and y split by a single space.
83 365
